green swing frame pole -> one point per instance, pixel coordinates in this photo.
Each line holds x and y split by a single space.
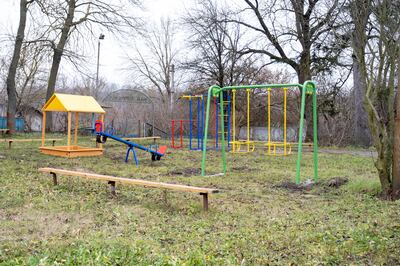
307 87
210 94
221 100
315 127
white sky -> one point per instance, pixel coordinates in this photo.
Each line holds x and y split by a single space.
111 58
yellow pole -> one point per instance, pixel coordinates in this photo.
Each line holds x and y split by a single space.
248 119
284 121
269 120
44 128
69 131
102 122
76 128
234 119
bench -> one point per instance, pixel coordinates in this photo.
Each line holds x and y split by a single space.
10 141
111 180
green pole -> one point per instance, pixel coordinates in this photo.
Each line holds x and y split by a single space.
203 160
300 147
221 105
315 118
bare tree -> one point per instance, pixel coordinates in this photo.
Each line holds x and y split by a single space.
360 11
155 61
216 45
75 20
306 39
11 90
378 69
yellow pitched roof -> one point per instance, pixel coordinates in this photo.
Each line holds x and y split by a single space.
72 103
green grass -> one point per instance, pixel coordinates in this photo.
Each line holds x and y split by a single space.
253 221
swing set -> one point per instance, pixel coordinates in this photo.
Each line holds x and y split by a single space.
307 88
272 146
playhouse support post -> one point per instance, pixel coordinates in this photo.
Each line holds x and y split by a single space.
69 131
44 128
76 128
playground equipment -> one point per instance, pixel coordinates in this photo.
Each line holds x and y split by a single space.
236 144
71 104
111 180
272 146
101 137
307 88
199 121
196 138
11 141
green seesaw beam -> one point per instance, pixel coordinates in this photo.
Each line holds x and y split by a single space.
307 88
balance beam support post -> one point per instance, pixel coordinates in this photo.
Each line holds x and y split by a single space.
205 201
55 183
112 188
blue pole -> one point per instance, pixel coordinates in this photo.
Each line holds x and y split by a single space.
202 120
198 123
190 123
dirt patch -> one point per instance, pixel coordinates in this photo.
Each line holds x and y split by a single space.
243 168
322 187
186 172
293 187
337 182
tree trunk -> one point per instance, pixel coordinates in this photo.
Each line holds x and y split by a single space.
11 90
396 142
57 55
304 74
361 134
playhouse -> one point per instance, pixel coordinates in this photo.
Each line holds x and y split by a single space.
70 104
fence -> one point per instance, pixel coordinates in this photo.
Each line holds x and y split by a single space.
19 123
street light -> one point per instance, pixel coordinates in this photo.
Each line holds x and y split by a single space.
101 37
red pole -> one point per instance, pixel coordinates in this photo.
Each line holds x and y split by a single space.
173 133
181 133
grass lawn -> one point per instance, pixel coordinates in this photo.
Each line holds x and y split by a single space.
257 219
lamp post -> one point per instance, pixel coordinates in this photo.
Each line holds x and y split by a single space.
172 88
101 37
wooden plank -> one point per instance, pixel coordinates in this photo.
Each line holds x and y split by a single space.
143 138
130 181
29 140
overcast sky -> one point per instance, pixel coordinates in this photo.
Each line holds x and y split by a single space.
112 52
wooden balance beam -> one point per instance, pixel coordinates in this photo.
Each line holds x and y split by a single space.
137 182
4 131
10 141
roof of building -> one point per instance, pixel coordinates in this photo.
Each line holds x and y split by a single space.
72 103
